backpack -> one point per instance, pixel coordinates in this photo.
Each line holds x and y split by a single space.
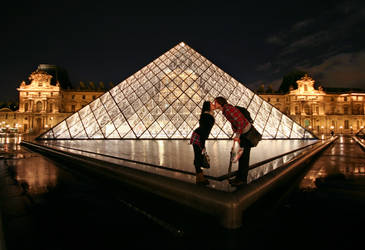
245 112
253 136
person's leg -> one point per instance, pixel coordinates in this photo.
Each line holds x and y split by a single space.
197 158
243 162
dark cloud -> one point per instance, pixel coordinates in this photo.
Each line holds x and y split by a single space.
341 70
317 43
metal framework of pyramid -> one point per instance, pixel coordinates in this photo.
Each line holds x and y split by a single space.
163 100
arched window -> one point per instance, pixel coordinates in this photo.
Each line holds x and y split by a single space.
307 123
39 106
307 109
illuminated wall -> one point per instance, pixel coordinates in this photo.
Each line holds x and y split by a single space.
164 100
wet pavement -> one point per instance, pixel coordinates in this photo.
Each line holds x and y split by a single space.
46 205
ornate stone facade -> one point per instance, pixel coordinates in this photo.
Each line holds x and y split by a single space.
319 111
43 105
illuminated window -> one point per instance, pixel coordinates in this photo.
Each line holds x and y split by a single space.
307 109
345 110
39 106
307 123
347 124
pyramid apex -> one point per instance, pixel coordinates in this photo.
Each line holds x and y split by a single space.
182 44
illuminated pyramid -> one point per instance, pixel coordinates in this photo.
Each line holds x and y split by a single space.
163 100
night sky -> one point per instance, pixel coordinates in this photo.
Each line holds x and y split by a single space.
256 42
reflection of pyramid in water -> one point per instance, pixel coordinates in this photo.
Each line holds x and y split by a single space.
164 100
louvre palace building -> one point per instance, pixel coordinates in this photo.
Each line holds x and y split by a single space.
48 99
321 112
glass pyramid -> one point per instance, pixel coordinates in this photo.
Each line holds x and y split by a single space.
163 100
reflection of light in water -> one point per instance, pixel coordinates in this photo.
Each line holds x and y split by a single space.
341 139
37 173
161 152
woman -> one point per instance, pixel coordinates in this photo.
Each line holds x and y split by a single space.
198 138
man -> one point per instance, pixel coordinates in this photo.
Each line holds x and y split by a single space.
240 126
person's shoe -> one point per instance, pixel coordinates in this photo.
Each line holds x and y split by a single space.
237 156
201 180
236 182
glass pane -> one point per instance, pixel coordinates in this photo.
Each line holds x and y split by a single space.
76 129
61 130
73 119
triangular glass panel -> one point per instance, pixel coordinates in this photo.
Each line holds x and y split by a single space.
114 135
146 135
98 135
177 135
130 135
